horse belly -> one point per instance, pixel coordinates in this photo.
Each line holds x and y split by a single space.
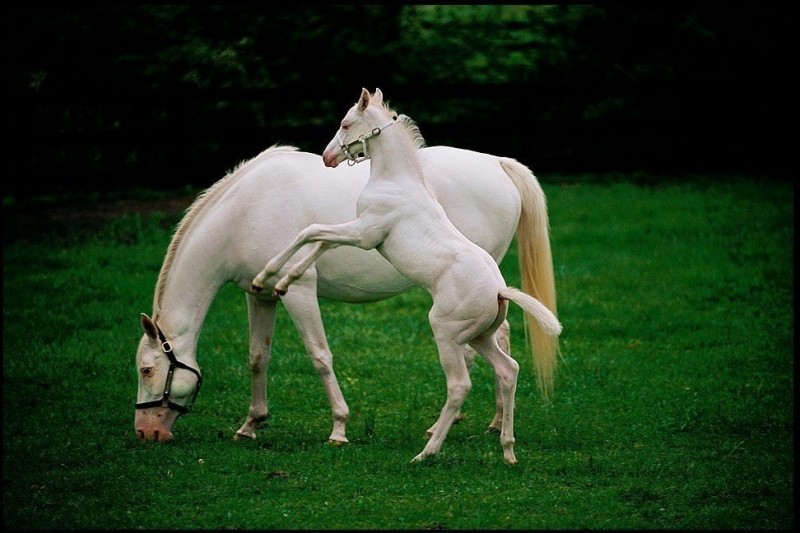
350 274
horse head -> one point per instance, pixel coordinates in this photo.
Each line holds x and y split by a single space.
167 386
358 126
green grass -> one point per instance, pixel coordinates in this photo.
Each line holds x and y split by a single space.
673 407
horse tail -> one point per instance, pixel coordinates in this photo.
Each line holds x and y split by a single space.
535 266
548 326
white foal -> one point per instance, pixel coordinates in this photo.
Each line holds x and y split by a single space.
399 217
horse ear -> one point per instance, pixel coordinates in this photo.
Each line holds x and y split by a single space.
363 102
149 326
378 96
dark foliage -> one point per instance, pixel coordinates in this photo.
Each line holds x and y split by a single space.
117 95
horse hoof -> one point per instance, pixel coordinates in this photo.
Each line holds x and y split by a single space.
256 288
278 293
337 443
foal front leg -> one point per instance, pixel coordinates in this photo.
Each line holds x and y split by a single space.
276 263
301 266
349 233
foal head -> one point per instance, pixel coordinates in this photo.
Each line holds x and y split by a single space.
364 120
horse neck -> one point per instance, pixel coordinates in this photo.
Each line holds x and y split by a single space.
393 157
194 279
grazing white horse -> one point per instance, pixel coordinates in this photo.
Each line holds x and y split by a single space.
399 216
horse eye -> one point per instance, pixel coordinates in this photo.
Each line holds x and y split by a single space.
147 371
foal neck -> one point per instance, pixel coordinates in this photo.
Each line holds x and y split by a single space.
393 156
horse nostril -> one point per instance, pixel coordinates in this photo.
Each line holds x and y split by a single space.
140 434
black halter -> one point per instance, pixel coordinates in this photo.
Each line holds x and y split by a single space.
165 401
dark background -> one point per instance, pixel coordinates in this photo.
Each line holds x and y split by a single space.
114 96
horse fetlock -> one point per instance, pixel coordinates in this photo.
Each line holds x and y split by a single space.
245 434
420 457
509 457
257 285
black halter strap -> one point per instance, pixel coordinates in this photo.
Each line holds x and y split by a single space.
165 400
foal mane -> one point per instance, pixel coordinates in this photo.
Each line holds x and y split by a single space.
409 126
203 200
415 135
412 130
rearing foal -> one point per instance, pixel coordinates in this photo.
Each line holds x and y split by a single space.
399 217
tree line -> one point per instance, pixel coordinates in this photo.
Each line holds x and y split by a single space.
115 95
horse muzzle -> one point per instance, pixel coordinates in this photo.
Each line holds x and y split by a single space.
330 158
155 424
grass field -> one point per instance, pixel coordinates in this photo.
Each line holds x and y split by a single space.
673 407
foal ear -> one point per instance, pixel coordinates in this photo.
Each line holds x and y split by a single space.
363 102
149 326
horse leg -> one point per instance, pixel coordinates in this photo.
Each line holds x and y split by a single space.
469 360
504 338
261 315
350 233
506 371
303 308
451 357
301 266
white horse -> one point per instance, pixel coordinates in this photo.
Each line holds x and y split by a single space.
247 217
399 216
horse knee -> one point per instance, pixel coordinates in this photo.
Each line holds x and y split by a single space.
508 374
322 361
259 361
457 392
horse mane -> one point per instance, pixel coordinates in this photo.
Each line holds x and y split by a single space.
204 199
412 130
409 126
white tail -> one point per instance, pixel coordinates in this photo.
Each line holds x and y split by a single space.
544 361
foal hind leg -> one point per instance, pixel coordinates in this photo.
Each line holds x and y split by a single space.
506 371
504 339
451 357
469 359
